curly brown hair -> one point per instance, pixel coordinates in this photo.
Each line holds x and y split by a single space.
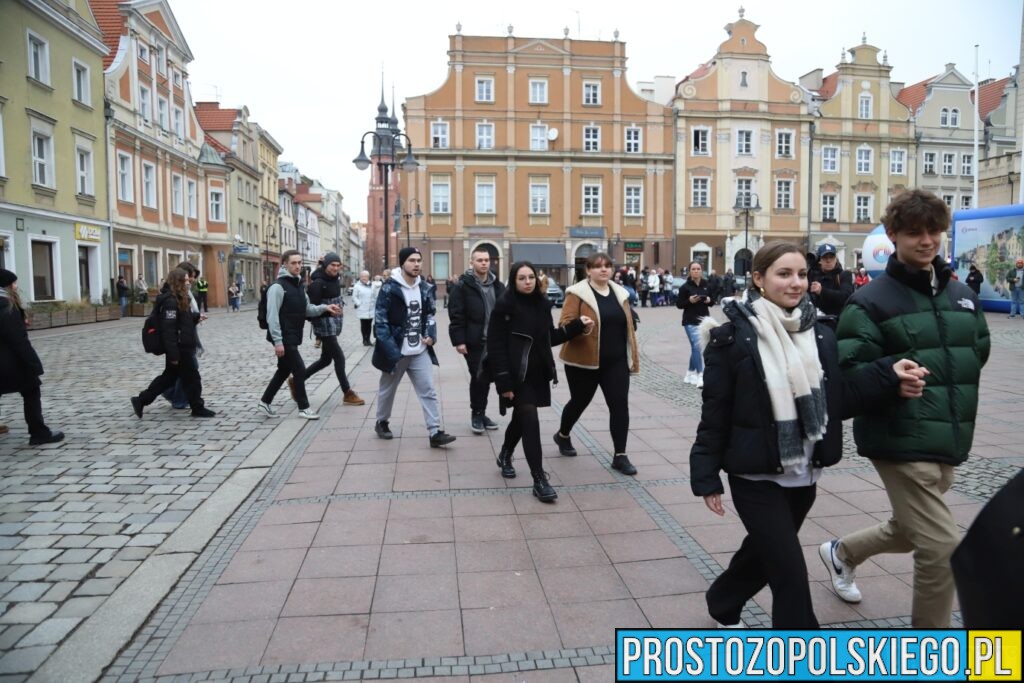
916 209
177 280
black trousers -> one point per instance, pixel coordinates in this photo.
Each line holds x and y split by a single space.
32 403
290 363
477 388
643 298
770 554
613 379
525 426
186 371
201 301
365 325
330 352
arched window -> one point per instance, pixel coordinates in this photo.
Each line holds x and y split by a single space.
944 117
954 118
743 79
864 107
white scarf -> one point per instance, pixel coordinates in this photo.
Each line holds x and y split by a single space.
793 373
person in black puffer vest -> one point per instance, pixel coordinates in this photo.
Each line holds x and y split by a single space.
325 288
287 310
177 322
830 286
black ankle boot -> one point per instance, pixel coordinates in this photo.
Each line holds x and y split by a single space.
542 489
505 463
622 464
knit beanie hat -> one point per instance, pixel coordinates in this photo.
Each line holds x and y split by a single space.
7 278
330 257
405 253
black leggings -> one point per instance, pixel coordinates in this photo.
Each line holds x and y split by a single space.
330 352
614 382
364 327
526 426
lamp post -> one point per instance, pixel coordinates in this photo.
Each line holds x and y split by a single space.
385 147
747 202
267 241
408 215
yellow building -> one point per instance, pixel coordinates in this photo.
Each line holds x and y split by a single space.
54 220
538 149
270 210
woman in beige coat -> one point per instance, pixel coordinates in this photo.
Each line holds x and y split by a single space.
604 357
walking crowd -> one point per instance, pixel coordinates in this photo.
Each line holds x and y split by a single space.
802 349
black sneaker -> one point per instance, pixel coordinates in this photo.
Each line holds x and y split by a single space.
565 446
489 423
52 437
203 412
382 430
137 406
477 423
622 464
438 439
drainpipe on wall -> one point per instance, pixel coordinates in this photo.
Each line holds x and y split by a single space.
108 115
810 185
675 187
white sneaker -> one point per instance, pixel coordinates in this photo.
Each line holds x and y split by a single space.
699 380
309 414
690 377
265 407
842 573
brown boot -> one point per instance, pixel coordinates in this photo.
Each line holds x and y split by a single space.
352 399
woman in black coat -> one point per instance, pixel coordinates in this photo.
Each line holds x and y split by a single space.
974 279
694 298
772 418
20 367
177 322
520 335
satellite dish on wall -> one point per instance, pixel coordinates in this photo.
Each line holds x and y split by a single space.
552 134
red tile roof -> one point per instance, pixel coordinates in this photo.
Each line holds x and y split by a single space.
212 117
700 71
912 96
308 197
991 95
111 23
828 86
217 145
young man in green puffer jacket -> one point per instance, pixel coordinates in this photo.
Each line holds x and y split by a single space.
914 310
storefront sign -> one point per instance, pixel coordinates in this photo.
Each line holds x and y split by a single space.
87 233
634 246
587 233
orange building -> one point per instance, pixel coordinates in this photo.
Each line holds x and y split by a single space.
538 149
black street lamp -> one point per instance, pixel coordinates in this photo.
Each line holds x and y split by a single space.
385 147
267 241
746 202
408 215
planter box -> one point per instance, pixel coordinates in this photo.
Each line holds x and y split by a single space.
102 314
77 316
58 318
113 312
138 310
39 321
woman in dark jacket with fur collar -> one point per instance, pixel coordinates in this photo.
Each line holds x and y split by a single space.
772 418
520 335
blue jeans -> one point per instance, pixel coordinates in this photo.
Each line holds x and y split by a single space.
1017 300
124 306
696 359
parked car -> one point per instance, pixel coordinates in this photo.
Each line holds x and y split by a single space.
555 294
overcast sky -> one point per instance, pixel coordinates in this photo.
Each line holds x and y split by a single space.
310 71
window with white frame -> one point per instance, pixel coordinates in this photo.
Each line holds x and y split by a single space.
783 194
633 140
44 275
485 89
929 163
944 117
591 139
162 117
440 194
191 198
485 136
862 209
161 60
829 159
898 162
238 188
538 137
485 194
143 51
177 195
440 267
745 192
966 164
965 201
591 93
948 163
83 171
864 106
865 160
176 78
949 200
700 146
38 58
538 91
700 192
954 118
829 208
634 198
540 191
217 205
148 184
784 144
42 158
439 134
80 89
125 177
145 103
744 142
591 197
179 122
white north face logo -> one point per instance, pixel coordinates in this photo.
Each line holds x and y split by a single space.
966 303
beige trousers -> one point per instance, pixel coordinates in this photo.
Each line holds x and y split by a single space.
921 522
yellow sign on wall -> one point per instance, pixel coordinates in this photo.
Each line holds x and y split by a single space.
87 233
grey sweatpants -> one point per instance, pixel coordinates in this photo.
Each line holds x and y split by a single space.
421 372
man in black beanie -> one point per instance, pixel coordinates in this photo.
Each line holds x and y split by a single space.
405 330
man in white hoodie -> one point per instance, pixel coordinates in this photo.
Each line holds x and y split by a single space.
404 325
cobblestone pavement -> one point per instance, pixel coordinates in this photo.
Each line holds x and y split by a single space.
78 519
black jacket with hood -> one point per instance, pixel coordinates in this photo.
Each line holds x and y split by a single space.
467 311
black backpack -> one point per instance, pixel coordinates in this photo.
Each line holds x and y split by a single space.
261 310
152 340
